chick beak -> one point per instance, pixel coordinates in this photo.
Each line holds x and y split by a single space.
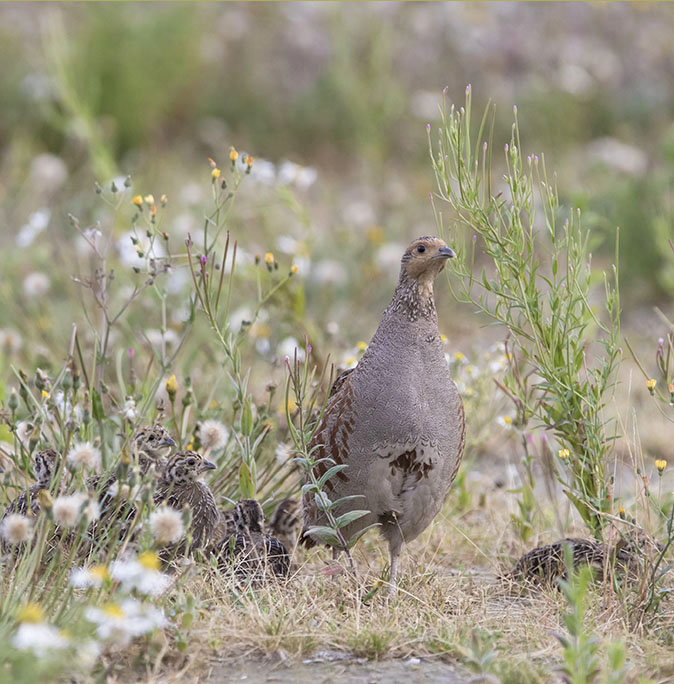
446 253
208 465
167 442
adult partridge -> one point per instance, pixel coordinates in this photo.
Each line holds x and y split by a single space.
181 486
396 420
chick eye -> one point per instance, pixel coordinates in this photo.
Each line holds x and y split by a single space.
191 462
151 438
421 249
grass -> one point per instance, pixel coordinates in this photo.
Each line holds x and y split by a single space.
209 339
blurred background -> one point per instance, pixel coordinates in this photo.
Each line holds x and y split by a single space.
332 101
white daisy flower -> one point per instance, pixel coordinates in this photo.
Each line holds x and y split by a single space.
119 623
213 434
167 525
16 529
93 576
84 455
506 422
39 638
141 573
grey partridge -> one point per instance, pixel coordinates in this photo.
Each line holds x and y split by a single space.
252 553
180 486
149 447
44 466
546 564
284 522
396 420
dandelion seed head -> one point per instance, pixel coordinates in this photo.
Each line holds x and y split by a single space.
84 455
66 509
166 525
213 434
16 529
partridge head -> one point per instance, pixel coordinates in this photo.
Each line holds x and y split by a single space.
152 445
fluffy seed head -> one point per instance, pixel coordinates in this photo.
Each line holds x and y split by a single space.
213 434
167 525
84 455
16 529
66 509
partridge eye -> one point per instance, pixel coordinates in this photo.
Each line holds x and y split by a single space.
191 462
421 249
151 438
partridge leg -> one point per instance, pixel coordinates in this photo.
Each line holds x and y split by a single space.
394 550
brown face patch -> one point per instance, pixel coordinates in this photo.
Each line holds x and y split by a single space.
422 260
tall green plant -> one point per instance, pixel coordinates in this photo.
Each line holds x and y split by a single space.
537 283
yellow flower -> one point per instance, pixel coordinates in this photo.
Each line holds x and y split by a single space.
459 356
621 512
30 612
153 210
100 572
376 235
215 173
361 346
138 201
149 199
172 387
564 453
293 269
212 163
113 610
45 394
190 445
249 161
269 258
660 464
233 154
650 384
671 387
149 560
443 339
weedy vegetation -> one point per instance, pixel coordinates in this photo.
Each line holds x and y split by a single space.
178 333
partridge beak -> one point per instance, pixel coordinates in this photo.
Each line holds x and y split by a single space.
208 465
168 442
446 253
